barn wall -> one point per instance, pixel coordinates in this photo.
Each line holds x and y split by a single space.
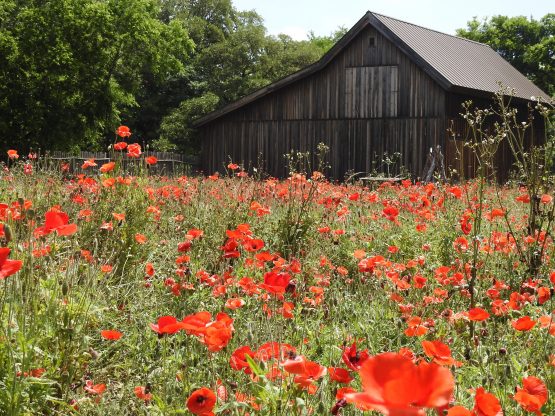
461 157
403 112
355 145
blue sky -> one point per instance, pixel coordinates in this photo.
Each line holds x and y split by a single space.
297 17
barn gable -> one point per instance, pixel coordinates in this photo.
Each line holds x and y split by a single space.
381 90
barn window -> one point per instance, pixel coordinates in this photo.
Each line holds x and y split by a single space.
371 41
371 91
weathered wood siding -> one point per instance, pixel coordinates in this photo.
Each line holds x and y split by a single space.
368 101
461 158
355 145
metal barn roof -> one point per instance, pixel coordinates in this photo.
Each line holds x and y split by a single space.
462 62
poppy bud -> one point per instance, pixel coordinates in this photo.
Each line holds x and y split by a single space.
291 286
502 351
338 406
94 354
7 233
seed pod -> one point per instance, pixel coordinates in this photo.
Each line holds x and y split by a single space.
7 233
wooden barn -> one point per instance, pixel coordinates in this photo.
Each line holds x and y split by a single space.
386 87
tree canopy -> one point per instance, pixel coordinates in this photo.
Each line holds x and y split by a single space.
71 70
528 44
71 67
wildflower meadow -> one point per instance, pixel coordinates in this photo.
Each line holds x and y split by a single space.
127 293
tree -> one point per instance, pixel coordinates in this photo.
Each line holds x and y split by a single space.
325 43
177 127
72 66
528 44
234 56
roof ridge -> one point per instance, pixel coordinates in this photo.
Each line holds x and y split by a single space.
431 30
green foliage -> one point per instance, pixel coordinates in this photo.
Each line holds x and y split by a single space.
177 127
528 44
72 71
73 66
53 310
325 43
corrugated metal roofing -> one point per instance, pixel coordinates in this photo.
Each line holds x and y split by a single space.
462 62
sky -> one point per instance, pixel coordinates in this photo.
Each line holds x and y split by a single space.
297 17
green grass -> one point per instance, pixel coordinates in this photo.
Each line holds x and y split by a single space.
53 309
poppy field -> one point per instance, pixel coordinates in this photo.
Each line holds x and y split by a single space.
125 293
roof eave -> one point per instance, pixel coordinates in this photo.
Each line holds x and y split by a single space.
471 92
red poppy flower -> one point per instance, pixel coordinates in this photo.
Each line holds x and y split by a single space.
459 411
142 393
253 244
218 333
201 402
486 404
56 220
523 324
94 389
140 238
546 199
353 358
118 216
238 361
151 160
393 384
466 226
416 327
134 150
166 325
301 366
107 167
120 146
440 353
234 303
88 164
524 198
478 314
340 375
7 266
276 282
195 324
123 131
111 334
390 213
306 372
533 396
194 233
12 154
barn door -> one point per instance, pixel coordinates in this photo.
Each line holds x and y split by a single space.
371 91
